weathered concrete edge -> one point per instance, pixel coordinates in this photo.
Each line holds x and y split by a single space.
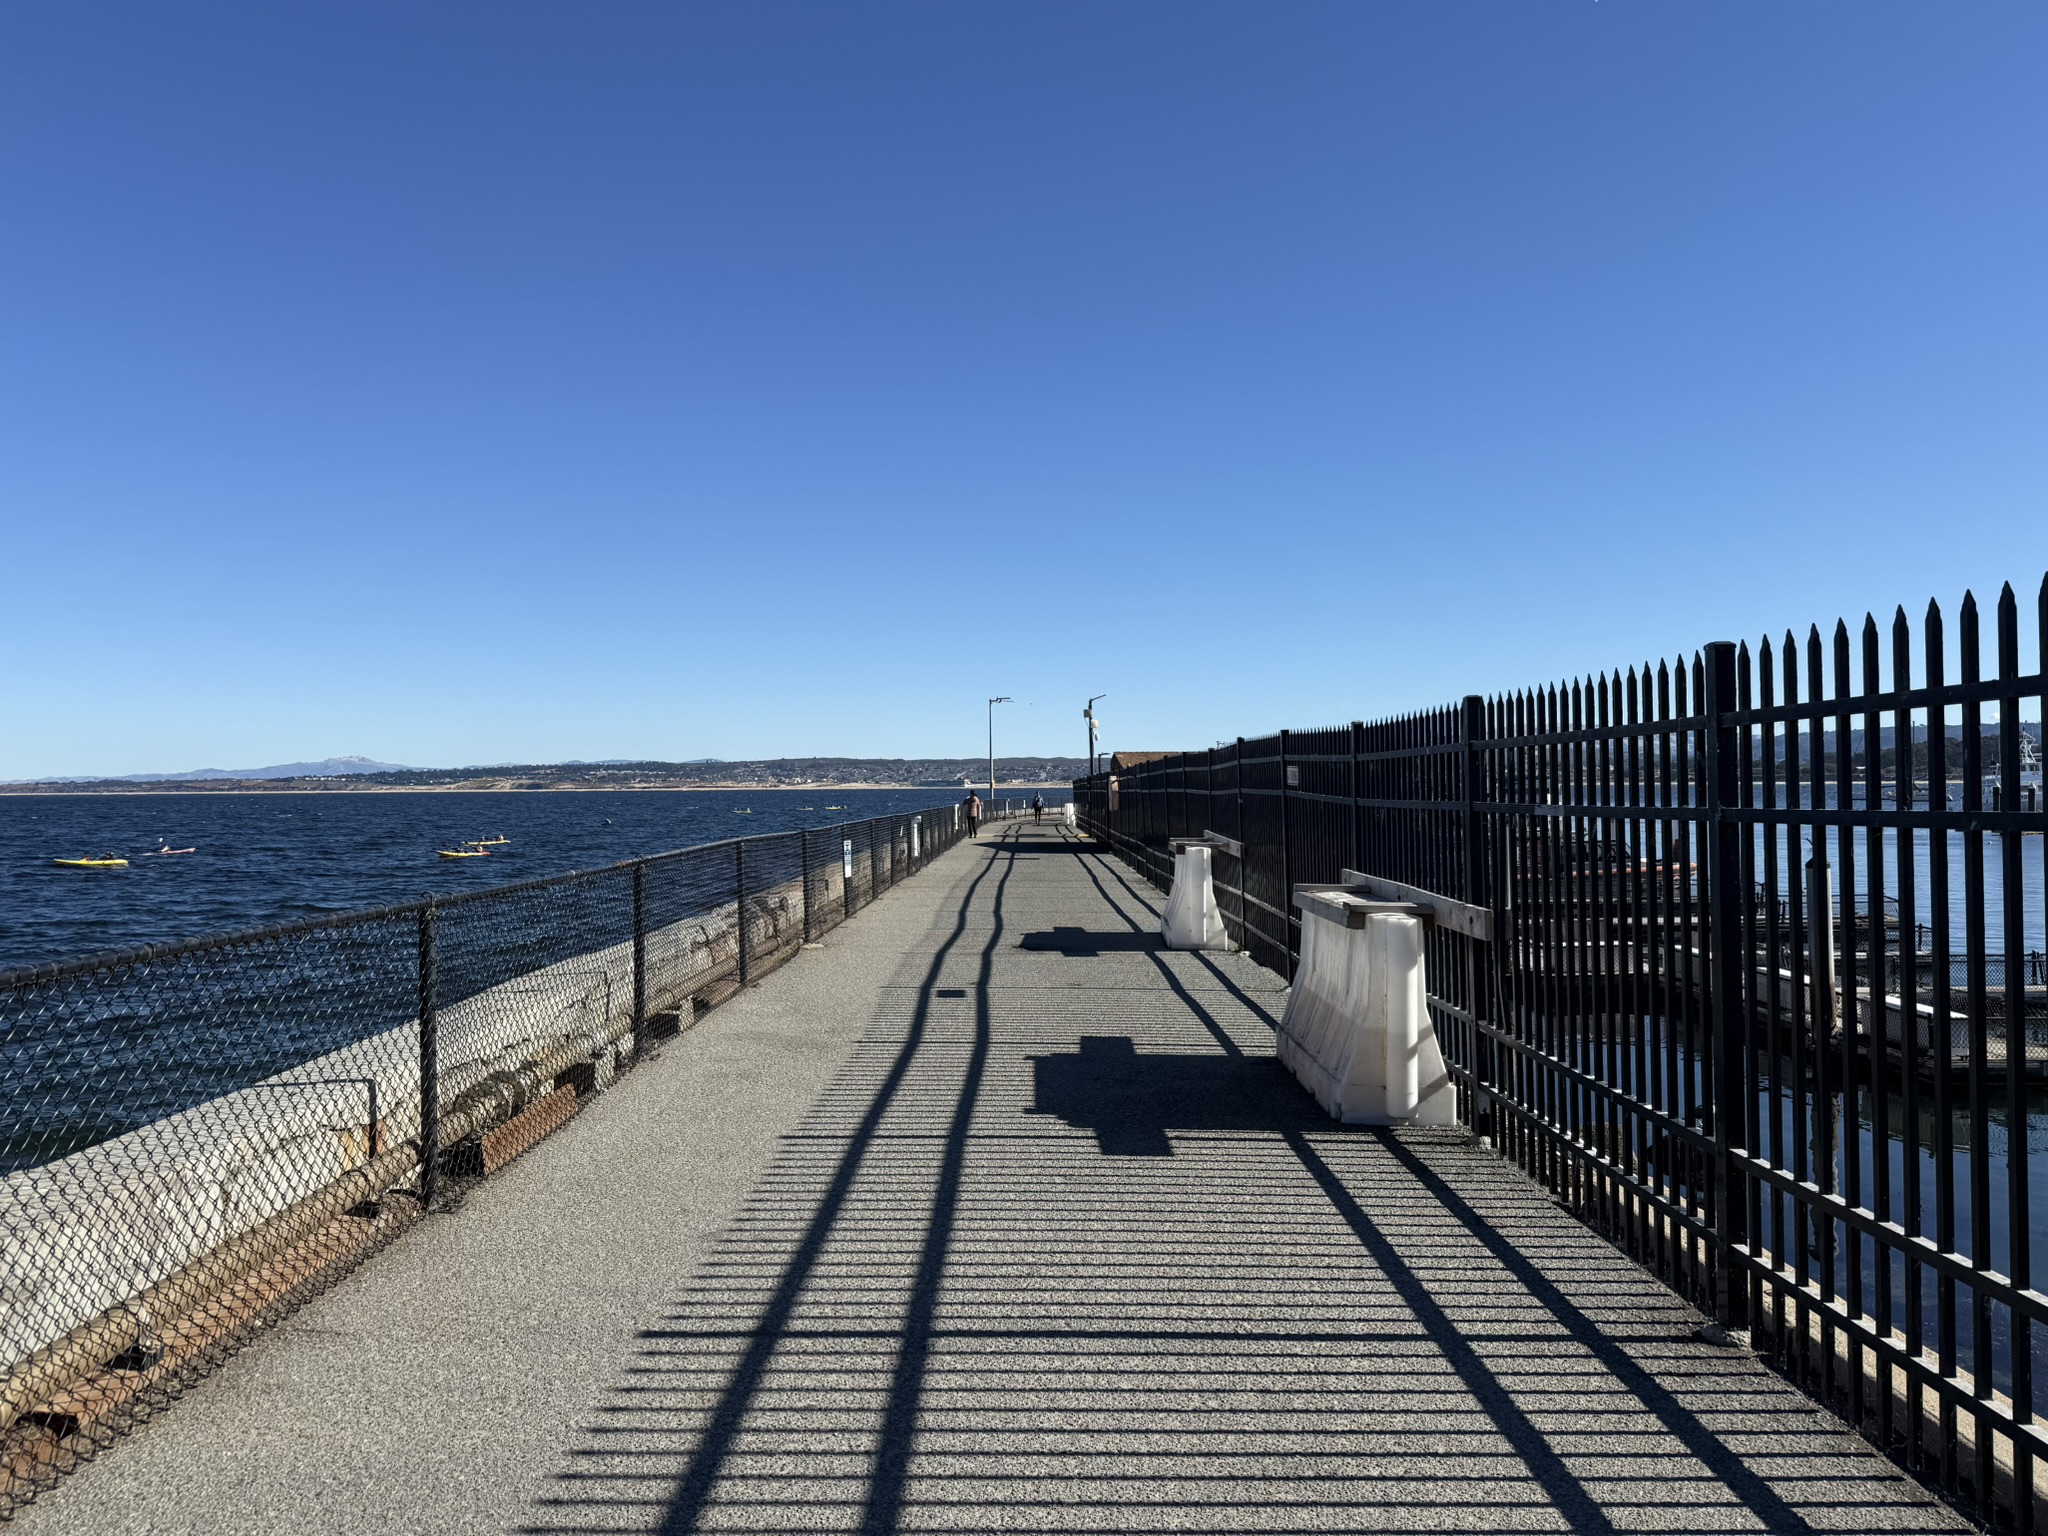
570 1255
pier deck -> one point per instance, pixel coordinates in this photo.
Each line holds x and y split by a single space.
993 1216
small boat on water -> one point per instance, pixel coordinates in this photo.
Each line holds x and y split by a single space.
464 853
165 853
109 862
488 842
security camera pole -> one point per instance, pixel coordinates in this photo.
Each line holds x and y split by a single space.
992 703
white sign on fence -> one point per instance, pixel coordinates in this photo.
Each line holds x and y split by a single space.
846 849
913 834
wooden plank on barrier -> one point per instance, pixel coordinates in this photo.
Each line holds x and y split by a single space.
1347 909
1458 916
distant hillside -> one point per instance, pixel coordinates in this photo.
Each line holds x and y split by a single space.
328 767
355 773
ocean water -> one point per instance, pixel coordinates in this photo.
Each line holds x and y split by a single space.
275 858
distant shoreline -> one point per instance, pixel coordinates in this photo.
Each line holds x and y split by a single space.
487 787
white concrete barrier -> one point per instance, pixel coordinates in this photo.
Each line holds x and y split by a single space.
1357 1031
1192 919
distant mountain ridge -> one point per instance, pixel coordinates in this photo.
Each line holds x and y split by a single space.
707 773
326 768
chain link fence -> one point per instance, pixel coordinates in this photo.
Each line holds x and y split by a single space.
195 1138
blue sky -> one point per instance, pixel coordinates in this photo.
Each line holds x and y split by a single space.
469 383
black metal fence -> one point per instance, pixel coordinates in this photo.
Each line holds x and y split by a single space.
195 1137
1746 1008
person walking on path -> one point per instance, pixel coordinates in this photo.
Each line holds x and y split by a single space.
973 804
1038 807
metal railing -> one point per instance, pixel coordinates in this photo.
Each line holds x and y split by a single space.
196 1137
1688 1025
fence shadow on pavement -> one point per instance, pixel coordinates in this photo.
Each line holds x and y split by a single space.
1064 1256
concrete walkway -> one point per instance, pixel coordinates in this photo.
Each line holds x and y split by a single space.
1052 1244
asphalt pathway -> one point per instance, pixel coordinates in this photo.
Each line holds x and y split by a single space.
1064 1249
994 1217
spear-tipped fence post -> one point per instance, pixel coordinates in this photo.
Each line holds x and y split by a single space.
1244 877
1471 727
1357 818
1729 1099
1286 870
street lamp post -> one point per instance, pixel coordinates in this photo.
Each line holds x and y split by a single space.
992 703
1089 715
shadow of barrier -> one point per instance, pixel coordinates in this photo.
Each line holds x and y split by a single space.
1131 1100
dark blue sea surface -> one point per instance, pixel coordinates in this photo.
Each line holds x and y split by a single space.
97 1053
275 858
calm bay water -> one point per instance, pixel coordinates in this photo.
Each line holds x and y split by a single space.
275 858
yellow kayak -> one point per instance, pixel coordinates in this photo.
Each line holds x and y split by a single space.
449 853
92 863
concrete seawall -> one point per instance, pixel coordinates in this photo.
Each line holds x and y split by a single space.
108 1246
